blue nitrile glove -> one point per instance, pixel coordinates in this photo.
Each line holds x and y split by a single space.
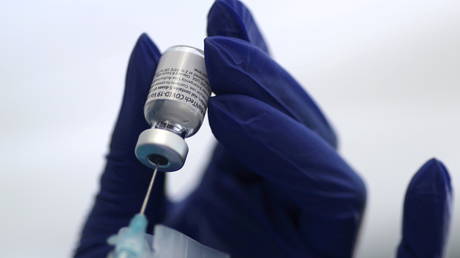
275 185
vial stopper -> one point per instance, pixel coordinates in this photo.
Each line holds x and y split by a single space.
162 148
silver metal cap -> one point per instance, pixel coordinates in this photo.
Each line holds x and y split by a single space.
163 148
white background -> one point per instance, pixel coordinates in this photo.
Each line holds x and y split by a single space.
385 72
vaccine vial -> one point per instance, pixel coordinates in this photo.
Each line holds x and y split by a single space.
175 108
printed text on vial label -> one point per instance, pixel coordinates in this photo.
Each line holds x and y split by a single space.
187 86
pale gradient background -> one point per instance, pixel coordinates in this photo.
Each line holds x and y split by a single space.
386 73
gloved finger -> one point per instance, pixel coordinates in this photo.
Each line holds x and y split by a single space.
125 175
232 18
328 195
124 180
427 211
237 67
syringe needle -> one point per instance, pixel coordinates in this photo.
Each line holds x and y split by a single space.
147 195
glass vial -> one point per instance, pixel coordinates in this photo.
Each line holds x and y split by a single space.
175 108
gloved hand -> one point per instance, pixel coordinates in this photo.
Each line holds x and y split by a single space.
275 185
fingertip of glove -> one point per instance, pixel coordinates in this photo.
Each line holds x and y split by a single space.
432 178
142 61
144 38
427 212
224 19
141 66
139 74
146 48
233 19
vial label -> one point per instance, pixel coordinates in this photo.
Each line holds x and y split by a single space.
181 76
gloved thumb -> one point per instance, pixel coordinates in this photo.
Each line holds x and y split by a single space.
124 180
124 174
131 121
